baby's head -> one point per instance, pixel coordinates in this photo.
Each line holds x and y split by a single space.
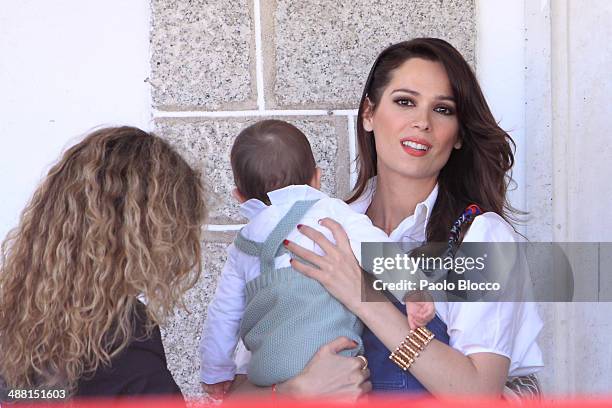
269 155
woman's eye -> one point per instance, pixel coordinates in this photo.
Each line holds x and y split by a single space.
444 110
404 102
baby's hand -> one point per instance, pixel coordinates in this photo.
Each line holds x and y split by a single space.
419 313
218 390
420 309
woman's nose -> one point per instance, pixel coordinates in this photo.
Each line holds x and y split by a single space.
420 120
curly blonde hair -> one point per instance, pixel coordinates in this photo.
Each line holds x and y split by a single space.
118 217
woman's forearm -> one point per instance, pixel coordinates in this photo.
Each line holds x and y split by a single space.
327 374
440 368
242 387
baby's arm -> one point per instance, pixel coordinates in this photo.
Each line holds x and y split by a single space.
420 309
220 331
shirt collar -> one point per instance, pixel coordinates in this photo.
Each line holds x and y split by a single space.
290 194
250 208
362 203
430 202
419 219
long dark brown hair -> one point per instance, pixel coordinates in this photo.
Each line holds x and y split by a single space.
118 216
474 174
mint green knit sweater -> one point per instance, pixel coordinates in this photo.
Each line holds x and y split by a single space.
288 316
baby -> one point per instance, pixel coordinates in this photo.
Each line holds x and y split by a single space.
282 316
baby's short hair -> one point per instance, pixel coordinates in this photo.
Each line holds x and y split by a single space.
269 155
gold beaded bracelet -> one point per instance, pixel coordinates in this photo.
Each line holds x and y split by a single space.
408 350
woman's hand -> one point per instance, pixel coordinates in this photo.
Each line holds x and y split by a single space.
217 391
327 375
330 375
338 270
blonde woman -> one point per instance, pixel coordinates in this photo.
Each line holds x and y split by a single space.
117 218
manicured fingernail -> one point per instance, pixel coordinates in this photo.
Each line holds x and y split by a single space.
286 242
321 221
299 226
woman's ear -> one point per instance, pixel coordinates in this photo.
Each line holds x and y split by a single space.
459 142
368 113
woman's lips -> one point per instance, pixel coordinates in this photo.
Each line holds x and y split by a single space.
415 147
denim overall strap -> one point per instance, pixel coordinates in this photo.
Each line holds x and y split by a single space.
385 375
272 247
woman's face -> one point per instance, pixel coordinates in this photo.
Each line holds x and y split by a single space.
415 122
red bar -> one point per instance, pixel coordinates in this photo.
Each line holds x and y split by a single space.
369 402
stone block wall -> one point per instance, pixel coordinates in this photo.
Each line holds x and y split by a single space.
218 66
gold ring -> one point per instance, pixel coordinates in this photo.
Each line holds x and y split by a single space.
365 362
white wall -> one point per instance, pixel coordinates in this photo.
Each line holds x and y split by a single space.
580 55
544 67
65 66
500 67
582 81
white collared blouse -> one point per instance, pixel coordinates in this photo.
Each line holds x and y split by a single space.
509 329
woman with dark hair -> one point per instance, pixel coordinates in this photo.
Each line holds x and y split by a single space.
116 219
430 153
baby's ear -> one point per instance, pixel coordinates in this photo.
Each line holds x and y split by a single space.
238 196
316 179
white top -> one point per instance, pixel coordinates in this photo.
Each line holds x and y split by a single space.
509 329
220 332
